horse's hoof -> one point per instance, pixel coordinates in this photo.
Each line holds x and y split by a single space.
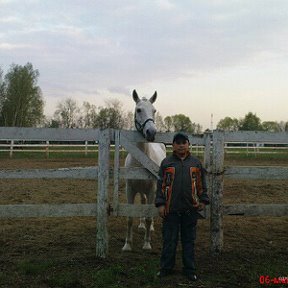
127 247
147 246
141 226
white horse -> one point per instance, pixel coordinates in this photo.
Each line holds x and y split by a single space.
144 122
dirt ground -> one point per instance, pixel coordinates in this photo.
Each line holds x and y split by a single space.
60 252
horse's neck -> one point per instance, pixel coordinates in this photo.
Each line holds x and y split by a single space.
155 152
132 161
143 147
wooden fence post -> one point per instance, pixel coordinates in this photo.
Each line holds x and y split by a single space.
47 149
102 197
11 148
207 150
216 208
116 172
86 148
207 166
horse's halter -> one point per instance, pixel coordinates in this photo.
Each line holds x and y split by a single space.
140 127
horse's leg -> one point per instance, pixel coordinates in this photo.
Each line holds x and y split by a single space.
151 200
152 225
148 222
147 237
142 224
130 200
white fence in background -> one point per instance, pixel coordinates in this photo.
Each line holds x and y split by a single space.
87 147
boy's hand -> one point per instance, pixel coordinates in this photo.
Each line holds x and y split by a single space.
201 206
162 211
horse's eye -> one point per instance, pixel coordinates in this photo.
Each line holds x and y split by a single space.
138 110
154 111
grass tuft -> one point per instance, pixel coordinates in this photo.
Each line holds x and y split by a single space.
27 267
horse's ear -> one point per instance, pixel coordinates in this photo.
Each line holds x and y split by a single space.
135 96
153 98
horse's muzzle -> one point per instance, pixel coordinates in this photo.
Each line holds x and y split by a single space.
150 135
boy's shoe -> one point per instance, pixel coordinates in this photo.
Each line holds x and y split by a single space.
191 277
164 273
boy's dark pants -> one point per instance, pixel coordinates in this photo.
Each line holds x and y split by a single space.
172 224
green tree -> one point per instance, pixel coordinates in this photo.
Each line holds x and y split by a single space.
67 113
250 123
111 116
182 123
228 124
21 102
160 125
129 121
51 123
168 121
196 128
283 126
88 116
271 126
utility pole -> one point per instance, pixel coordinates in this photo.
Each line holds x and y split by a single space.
211 123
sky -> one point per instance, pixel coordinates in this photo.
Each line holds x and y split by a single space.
220 57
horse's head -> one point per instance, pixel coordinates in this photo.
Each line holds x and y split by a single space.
144 116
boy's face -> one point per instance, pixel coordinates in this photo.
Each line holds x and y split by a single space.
181 146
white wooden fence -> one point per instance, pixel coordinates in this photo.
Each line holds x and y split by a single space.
86 147
213 161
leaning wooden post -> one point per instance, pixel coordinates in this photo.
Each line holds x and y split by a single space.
102 197
207 150
207 165
216 213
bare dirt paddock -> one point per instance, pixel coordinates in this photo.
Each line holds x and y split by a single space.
54 252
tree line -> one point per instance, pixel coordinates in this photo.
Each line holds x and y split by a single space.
69 115
251 122
22 105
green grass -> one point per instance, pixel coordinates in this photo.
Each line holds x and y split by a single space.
33 268
64 275
64 280
116 275
48 272
231 269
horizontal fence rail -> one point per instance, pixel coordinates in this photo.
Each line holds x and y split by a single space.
264 172
256 137
233 172
47 210
48 134
133 210
274 210
74 173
